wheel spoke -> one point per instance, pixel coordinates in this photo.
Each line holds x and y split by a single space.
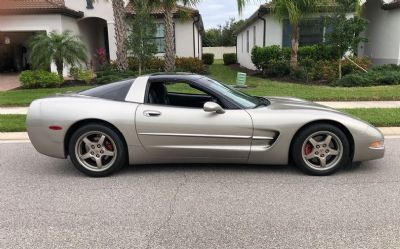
99 163
333 152
322 161
85 156
311 155
328 139
87 141
313 142
101 140
108 153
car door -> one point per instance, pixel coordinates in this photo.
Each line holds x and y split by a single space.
185 132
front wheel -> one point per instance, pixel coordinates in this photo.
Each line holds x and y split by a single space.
97 150
321 149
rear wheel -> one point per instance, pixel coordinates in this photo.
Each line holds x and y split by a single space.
321 149
97 150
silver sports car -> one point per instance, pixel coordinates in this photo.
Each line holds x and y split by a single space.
187 118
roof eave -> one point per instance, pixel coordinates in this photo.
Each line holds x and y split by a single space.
61 11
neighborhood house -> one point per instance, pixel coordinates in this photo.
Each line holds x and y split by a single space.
383 32
92 21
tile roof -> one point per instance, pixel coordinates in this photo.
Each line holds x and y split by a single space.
8 7
391 5
130 9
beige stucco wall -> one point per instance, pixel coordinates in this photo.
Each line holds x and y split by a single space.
274 32
219 51
383 34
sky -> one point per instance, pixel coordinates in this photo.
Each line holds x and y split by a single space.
216 12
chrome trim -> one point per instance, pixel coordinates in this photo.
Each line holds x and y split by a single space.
195 135
138 90
262 138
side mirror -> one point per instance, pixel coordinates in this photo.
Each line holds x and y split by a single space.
213 107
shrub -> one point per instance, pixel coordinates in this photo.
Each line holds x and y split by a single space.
208 59
261 57
82 75
348 67
189 64
153 64
40 78
278 68
385 75
230 59
357 79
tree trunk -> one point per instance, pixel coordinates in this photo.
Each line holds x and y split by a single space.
169 40
60 68
120 34
295 46
340 68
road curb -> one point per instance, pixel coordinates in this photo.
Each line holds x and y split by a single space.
23 136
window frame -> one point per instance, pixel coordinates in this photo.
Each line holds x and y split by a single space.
247 41
162 38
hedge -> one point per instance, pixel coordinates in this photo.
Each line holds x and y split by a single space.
208 59
230 59
39 78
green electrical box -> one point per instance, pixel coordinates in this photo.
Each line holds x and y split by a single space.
241 80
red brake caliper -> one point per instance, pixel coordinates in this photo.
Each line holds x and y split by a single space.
109 146
308 149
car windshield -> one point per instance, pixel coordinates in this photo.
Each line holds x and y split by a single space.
244 100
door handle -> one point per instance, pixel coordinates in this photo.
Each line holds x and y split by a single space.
151 113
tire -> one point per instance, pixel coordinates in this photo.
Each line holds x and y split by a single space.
320 149
97 150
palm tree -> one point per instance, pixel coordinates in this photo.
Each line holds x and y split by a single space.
64 49
295 11
168 6
121 34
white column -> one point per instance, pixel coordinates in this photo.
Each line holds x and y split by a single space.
112 43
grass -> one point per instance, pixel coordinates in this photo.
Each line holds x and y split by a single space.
26 96
265 87
389 117
12 123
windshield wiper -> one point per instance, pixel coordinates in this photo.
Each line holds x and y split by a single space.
262 102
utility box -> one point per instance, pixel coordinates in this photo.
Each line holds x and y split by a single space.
241 80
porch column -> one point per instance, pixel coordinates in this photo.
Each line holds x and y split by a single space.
112 43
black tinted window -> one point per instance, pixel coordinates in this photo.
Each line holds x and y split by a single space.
114 91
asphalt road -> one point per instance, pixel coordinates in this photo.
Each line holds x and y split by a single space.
46 203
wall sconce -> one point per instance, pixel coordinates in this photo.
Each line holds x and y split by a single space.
7 40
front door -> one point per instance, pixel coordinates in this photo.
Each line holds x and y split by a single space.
166 130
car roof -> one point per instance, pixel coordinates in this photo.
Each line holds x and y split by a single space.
174 76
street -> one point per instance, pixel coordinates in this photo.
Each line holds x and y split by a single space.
47 203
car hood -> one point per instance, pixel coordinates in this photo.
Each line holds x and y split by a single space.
285 103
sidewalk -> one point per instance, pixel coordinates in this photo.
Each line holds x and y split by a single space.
332 104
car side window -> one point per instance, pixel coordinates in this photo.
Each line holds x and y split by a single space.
180 94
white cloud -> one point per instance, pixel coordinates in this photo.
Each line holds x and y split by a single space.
216 13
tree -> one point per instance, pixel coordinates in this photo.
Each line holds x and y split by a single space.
222 36
64 49
168 6
120 33
295 11
346 31
143 29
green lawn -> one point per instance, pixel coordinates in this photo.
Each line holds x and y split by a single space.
378 117
25 97
12 123
258 86
266 87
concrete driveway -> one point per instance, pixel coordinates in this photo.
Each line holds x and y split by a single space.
46 203
9 81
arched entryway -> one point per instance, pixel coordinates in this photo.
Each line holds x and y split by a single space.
94 33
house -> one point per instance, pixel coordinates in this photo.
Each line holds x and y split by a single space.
92 21
383 32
